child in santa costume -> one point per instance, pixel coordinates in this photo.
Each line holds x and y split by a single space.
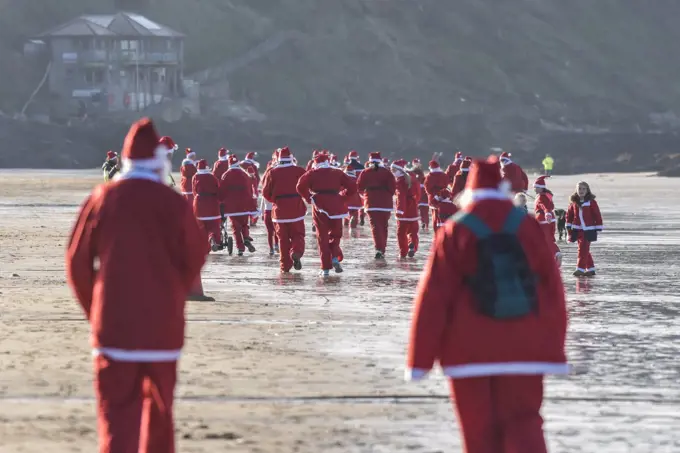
377 186
584 221
266 207
435 181
353 202
423 205
408 196
460 178
187 171
445 205
134 252
236 195
513 173
452 170
544 210
280 188
322 187
205 187
221 165
520 201
491 311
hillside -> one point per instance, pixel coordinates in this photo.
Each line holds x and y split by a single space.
437 74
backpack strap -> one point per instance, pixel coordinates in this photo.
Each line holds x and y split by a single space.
513 221
478 228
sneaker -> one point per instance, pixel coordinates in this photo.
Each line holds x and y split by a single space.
249 244
240 252
589 274
361 222
271 252
578 273
297 264
336 266
411 251
379 255
230 245
325 273
313 229
214 246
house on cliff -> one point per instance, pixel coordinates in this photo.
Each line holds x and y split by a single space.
111 63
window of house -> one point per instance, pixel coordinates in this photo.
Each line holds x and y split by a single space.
94 76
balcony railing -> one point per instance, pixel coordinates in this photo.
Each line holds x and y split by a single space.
125 56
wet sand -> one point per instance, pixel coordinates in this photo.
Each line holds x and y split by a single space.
298 364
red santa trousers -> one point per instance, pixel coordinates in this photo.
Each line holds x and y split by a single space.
291 242
134 406
328 235
424 215
407 234
212 228
584 260
240 230
500 414
435 220
379 223
271 231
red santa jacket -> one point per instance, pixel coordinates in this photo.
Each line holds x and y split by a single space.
420 176
544 209
353 201
584 215
280 188
206 196
513 173
150 250
323 187
448 328
445 206
435 181
220 168
408 196
459 182
187 171
452 170
236 192
377 187
248 163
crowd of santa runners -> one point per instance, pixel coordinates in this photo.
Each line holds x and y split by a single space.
231 194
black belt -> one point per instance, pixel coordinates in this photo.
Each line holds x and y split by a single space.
326 192
287 195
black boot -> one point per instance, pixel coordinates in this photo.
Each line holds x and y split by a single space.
230 245
249 244
411 250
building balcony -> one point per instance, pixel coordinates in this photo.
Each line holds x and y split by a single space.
131 57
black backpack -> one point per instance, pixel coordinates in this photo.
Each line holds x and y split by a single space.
503 284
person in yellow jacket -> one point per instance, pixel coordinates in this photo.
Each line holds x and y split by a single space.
548 163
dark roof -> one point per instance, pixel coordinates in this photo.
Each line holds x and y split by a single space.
120 24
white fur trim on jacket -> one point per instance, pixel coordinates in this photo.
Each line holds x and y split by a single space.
223 158
238 214
436 170
188 162
251 161
187 193
125 355
468 197
539 186
204 171
139 173
408 219
379 209
158 162
215 217
494 369
297 219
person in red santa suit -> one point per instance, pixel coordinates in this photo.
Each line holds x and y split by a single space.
423 205
495 322
187 171
205 187
221 165
435 181
266 207
377 186
356 166
408 196
584 221
452 169
544 210
353 202
236 195
132 257
446 207
168 144
310 163
280 188
461 178
513 173
322 187
251 166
